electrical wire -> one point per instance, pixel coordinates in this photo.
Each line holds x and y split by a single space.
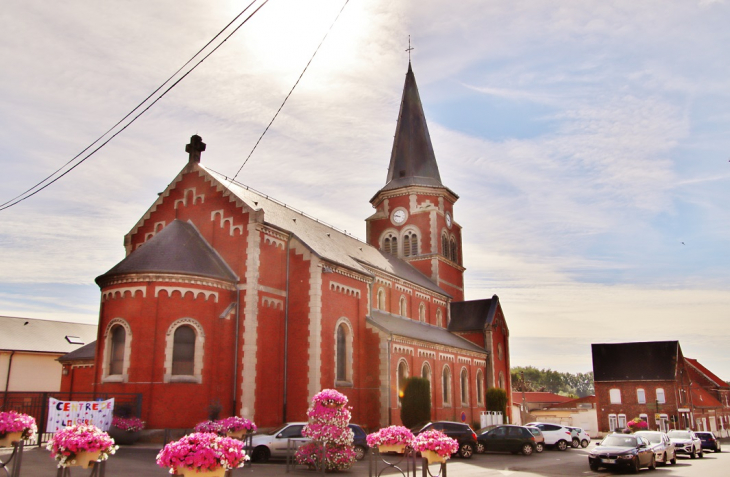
37 187
290 91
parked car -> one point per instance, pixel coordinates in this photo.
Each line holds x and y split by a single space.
273 443
463 433
555 434
709 441
622 451
360 441
579 436
539 438
506 438
663 448
686 442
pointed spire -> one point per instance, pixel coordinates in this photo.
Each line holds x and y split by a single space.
412 161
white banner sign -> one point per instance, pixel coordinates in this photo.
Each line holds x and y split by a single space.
67 413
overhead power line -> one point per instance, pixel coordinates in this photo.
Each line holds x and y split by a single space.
57 174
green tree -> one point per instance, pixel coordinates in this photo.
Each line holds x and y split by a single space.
416 402
497 400
580 384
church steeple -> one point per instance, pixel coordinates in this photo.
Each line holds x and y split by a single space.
412 161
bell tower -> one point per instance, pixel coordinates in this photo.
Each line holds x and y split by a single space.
414 211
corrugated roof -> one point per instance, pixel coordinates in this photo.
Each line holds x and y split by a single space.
641 361
43 336
178 248
473 315
408 328
324 240
707 373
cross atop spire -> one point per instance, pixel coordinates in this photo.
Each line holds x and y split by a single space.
410 48
194 149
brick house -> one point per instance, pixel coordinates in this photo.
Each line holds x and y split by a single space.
655 382
228 297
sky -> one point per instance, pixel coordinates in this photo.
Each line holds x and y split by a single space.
588 143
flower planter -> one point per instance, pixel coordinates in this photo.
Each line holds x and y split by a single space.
85 459
189 472
399 448
9 438
432 457
125 438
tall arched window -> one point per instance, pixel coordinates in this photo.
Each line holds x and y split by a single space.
439 318
381 300
446 385
402 377
343 352
480 387
464 386
410 244
445 245
390 245
453 254
426 372
501 380
422 313
116 357
403 309
183 351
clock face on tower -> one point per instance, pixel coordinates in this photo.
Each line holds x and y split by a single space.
448 219
399 216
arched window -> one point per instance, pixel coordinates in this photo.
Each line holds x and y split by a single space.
464 386
480 387
381 300
116 361
453 254
445 245
390 244
501 380
446 385
426 371
183 351
403 309
410 244
439 318
422 313
402 377
343 352
500 352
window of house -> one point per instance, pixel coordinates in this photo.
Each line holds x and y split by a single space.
381 299
464 386
183 351
660 395
343 353
615 396
612 422
403 306
446 386
422 313
445 245
480 387
410 244
402 376
622 421
116 359
640 396
452 250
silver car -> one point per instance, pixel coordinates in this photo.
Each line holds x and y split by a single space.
686 442
662 446
274 443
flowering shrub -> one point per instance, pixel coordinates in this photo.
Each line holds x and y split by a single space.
330 397
67 443
638 424
12 421
202 451
235 424
437 442
335 457
393 435
130 424
210 426
329 433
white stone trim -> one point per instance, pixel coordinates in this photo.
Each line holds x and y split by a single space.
403 289
464 360
339 287
184 200
269 302
272 291
349 345
400 349
228 220
250 323
197 376
269 240
446 357
422 353
383 281
121 292
436 301
184 290
423 296
433 218
124 377
315 328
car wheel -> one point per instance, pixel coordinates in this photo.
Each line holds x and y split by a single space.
575 443
594 467
539 447
360 452
673 461
562 445
652 463
261 454
480 448
663 460
527 449
701 453
584 443
636 466
718 448
466 450
693 455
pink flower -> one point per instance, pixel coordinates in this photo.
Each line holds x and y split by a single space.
68 442
393 435
235 424
437 442
12 421
131 424
202 451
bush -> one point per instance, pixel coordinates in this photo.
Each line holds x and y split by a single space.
416 402
497 400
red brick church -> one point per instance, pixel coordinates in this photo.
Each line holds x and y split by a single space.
228 297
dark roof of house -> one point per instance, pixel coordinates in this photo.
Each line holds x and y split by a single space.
412 160
473 315
641 361
178 248
707 373
43 336
408 328
85 353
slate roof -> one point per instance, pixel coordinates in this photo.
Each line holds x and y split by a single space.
43 336
178 248
408 328
324 240
412 160
473 315
641 361
707 373
85 353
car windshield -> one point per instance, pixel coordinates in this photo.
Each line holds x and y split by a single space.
679 434
485 429
619 441
653 437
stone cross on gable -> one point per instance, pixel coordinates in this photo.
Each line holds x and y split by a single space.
194 149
